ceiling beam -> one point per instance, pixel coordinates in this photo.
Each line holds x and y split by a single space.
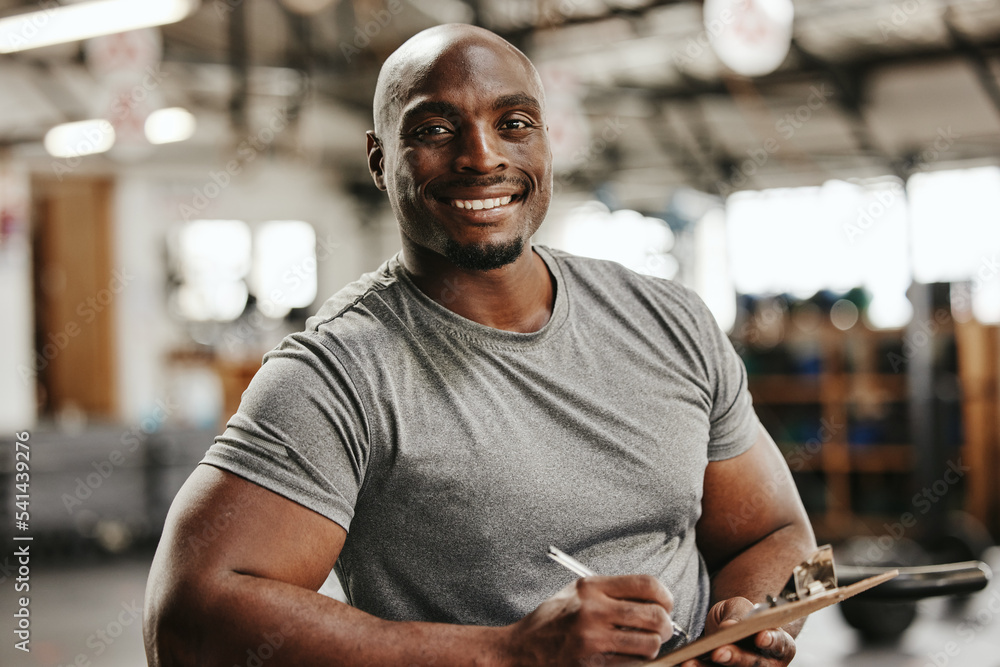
980 64
240 67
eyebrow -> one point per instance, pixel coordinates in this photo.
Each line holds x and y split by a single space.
516 100
429 107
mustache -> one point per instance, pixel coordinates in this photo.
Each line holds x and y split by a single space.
480 182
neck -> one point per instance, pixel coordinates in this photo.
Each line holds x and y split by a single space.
517 297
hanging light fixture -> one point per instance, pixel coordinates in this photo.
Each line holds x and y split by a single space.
167 126
750 37
307 7
85 137
84 20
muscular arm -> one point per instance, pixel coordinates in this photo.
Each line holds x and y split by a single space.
238 567
753 531
236 572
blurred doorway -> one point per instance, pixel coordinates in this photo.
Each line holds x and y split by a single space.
75 289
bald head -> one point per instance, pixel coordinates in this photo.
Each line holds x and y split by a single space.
417 57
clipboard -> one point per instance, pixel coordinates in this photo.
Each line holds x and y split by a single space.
773 617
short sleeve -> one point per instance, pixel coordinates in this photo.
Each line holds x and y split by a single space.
300 430
733 423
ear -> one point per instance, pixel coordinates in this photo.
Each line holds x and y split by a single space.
375 158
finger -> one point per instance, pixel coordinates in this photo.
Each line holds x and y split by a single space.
641 616
642 587
775 654
776 644
724 655
727 612
737 657
644 645
604 659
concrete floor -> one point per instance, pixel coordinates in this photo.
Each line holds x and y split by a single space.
85 616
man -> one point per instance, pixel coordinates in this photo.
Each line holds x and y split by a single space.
444 419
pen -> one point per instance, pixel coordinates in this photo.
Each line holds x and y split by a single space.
581 570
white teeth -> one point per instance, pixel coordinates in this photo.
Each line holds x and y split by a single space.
480 204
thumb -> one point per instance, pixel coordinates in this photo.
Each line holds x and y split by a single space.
726 613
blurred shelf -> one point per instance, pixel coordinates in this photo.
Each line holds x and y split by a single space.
840 415
840 458
787 388
835 526
882 458
784 389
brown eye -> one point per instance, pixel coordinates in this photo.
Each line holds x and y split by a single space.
515 124
432 131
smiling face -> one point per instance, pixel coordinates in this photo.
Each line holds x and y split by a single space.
461 146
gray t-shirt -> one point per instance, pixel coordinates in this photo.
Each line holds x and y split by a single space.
455 454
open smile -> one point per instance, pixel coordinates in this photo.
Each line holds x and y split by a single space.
480 204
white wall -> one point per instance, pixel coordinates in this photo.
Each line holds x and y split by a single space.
17 392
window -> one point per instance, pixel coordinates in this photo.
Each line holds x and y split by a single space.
220 263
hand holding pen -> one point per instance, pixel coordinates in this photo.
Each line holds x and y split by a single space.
581 570
608 620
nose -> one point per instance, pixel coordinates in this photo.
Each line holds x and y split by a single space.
480 150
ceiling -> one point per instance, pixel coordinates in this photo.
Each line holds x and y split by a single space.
637 104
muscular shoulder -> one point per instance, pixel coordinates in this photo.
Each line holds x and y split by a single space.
625 290
363 315
338 311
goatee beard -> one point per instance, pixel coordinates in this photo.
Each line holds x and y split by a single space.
485 257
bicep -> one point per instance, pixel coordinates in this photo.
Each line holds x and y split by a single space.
221 524
745 499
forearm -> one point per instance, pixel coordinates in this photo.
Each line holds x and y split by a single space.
765 567
242 616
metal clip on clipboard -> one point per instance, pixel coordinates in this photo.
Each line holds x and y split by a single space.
811 577
812 586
